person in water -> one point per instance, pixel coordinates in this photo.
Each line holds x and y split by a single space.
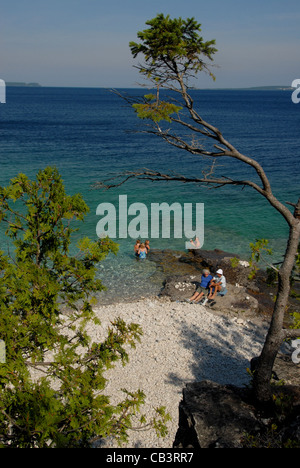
136 247
195 243
142 251
147 245
195 246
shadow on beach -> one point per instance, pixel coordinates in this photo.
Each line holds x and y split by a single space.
222 354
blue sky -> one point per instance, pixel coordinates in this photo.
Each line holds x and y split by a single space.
85 42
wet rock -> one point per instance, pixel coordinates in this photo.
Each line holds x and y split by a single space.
170 262
180 263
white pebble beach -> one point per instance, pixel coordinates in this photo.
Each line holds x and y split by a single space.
181 343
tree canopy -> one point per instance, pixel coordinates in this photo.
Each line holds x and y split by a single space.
172 46
52 381
173 52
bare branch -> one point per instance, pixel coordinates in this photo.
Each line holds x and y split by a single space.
156 176
292 333
291 204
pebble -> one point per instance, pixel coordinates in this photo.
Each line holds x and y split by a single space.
181 343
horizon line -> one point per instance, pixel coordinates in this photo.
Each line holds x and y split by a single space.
13 84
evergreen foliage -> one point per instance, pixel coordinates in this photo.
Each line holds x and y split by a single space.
154 109
173 52
174 43
52 382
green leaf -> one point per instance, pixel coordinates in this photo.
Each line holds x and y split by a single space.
46 298
156 111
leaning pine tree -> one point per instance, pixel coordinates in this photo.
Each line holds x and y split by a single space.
52 383
174 53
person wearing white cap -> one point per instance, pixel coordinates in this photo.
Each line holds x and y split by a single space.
217 284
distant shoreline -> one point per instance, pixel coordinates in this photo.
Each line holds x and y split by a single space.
23 85
260 88
252 88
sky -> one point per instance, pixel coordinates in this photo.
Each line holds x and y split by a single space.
84 43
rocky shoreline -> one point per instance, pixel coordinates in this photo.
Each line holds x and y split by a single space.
182 270
186 344
181 343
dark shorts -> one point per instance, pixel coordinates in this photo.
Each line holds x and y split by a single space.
201 289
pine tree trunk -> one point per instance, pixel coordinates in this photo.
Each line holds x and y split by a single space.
276 335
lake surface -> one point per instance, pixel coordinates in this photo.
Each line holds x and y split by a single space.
91 135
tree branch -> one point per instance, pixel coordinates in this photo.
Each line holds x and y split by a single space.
156 176
291 333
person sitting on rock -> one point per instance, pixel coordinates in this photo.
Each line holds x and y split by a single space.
202 287
218 284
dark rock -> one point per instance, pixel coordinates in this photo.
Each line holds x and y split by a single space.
215 259
225 416
173 262
286 370
214 416
186 267
179 288
237 299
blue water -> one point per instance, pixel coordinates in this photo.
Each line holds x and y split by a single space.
90 135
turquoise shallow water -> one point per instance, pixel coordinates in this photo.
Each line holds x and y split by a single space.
87 134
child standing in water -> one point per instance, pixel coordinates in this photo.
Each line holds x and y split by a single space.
142 251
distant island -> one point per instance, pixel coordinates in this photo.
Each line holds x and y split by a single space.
30 85
254 88
272 88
